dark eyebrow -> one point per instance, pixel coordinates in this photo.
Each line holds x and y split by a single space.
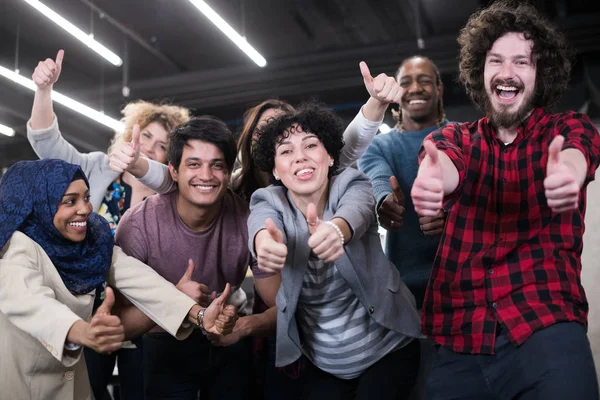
199 159
309 136
74 194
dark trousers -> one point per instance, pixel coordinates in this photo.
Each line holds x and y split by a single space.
193 368
391 378
100 369
555 363
286 380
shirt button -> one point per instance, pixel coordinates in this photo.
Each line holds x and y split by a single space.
69 375
494 305
503 179
371 310
491 271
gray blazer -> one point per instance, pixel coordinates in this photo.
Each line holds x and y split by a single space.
364 266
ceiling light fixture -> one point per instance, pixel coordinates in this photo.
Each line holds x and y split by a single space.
65 101
88 40
5 130
235 37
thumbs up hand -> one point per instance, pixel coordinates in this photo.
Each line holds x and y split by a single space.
271 252
47 72
391 211
104 333
200 293
562 188
324 240
382 88
428 189
124 155
219 317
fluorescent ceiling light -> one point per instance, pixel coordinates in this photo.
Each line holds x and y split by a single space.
5 130
65 101
88 40
384 128
235 37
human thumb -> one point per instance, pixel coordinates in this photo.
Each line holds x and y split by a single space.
108 303
311 215
187 276
555 149
431 151
365 72
59 59
222 299
396 190
274 231
135 137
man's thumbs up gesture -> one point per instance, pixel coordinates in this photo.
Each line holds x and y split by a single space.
391 211
325 241
220 318
47 72
428 189
271 252
382 88
199 292
561 185
104 333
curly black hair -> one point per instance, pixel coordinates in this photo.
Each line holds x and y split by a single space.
551 52
312 117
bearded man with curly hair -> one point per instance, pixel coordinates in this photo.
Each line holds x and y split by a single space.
504 302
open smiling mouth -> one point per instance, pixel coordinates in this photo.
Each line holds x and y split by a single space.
204 188
417 101
507 92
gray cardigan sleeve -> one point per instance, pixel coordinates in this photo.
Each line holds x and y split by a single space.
263 205
158 178
355 201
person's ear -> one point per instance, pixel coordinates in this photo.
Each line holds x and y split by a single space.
173 172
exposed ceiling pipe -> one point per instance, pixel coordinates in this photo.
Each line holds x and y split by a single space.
134 36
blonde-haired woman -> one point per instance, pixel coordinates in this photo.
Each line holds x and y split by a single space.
146 127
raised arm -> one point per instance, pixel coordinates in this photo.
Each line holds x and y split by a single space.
573 157
360 132
42 129
443 167
152 174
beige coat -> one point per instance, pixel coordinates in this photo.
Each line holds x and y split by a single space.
37 311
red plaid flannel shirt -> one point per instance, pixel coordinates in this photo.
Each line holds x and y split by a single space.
505 257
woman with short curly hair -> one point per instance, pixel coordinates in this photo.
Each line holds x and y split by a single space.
342 303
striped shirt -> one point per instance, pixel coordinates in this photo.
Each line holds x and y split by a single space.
339 336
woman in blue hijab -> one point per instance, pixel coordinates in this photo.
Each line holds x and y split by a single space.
54 253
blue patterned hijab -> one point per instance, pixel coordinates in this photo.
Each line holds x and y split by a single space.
30 193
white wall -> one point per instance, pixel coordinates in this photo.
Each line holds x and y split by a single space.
590 275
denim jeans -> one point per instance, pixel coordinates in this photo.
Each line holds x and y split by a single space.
555 363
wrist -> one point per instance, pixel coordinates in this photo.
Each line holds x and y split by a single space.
193 314
374 110
77 333
135 169
246 326
44 91
335 224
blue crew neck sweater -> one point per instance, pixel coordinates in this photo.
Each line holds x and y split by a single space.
395 153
